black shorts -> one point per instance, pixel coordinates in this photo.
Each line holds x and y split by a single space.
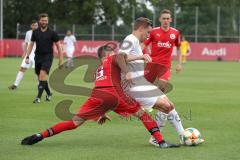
43 63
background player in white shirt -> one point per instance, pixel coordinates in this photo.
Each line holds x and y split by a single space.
148 95
69 41
24 65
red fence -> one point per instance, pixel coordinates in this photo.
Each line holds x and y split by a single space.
13 48
200 51
214 51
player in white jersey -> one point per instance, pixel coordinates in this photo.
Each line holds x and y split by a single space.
148 95
69 41
24 65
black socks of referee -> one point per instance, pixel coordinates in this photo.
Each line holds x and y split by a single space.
43 85
47 88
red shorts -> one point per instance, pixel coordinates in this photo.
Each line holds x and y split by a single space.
107 99
166 76
154 70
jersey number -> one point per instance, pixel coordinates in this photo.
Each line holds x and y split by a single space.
99 73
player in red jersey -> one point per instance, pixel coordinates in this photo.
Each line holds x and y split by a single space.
162 40
107 95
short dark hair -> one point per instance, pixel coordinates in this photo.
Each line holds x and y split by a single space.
142 21
102 50
166 11
33 21
42 15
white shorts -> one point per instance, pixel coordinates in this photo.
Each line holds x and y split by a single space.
145 93
31 63
70 51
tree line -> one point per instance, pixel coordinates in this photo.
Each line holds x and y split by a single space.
110 12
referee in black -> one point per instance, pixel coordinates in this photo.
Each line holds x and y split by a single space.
44 37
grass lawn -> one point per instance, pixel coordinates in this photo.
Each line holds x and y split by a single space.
206 95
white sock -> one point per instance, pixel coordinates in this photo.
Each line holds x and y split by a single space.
69 62
161 119
19 78
175 120
72 65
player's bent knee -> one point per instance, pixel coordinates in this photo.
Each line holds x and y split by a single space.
23 69
78 121
163 105
163 84
169 104
139 113
42 75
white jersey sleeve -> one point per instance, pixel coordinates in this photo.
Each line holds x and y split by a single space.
74 38
65 39
28 40
130 45
28 37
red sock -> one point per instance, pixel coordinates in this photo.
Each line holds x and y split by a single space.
58 128
151 126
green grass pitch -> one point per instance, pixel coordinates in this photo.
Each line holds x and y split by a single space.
206 95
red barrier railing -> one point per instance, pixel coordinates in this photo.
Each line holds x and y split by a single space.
214 51
200 51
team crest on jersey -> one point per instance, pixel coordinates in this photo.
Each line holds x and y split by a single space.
172 36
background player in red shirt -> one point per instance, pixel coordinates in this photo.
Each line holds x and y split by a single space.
162 40
107 95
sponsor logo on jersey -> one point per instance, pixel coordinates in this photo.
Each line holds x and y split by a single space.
164 44
172 36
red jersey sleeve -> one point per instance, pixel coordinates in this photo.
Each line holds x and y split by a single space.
149 39
114 60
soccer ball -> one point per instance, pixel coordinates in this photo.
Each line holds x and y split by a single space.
191 137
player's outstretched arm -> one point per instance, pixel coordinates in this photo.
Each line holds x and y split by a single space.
25 49
144 57
189 48
121 60
29 50
145 48
60 52
179 65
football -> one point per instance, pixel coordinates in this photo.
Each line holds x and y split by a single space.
192 137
